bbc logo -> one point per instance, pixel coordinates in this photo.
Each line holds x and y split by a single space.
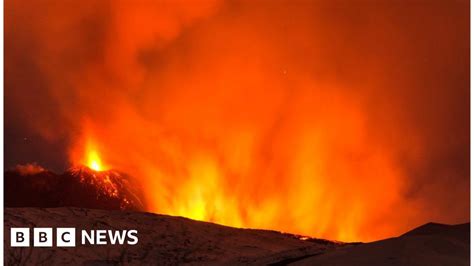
42 237
66 237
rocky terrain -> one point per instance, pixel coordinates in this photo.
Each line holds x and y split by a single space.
33 186
168 240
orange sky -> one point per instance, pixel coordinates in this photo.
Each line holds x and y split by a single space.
345 120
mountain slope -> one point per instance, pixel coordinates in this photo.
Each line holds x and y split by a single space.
430 244
169 240
163 240
77 187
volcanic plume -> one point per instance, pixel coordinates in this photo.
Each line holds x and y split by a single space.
343 120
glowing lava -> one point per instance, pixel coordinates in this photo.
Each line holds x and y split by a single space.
88 153
93 161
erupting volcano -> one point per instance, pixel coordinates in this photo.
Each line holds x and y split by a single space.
79 186
94 161
344 120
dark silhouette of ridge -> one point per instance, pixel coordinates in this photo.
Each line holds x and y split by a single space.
77 187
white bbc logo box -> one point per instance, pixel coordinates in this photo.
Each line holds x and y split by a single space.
42 237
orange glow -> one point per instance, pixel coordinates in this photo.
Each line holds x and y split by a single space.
310 117
93 161
87 154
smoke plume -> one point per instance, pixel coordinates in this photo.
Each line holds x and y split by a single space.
346 120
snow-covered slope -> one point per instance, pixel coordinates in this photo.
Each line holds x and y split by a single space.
169 240
163 240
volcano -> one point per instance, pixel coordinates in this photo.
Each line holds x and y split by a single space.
88 199
79 186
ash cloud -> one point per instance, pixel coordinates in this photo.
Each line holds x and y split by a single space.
344 120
